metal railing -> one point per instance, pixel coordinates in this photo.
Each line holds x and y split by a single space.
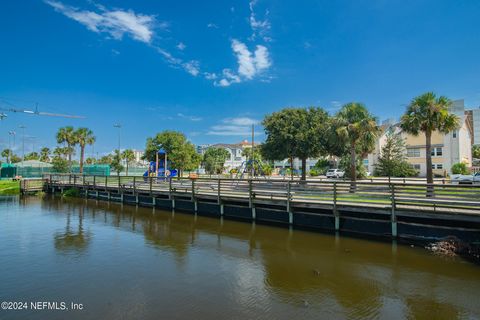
392 196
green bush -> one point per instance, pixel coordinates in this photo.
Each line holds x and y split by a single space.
71 192
314 173
460 168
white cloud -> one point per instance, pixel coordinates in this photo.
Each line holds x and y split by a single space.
188 117
210 75
116 23
240 121
212 25
259 27
228 78
181 46
239 126
192 67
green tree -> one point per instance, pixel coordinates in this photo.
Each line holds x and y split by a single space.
392 161
32 156
214 160
83 136
476 151
60 165
6 153
425 114
357 130
345 164
107 159
460 168
90 160
116 163
129 157
67 135
295 132
180 152
14 158
45 154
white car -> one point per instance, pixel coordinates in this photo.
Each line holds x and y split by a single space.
335 173
467 179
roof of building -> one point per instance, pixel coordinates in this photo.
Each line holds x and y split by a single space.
33 163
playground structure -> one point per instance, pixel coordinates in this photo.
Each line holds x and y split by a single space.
159 167
250 167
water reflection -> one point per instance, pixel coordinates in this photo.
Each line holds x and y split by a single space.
257 270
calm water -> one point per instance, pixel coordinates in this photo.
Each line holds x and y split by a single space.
123 262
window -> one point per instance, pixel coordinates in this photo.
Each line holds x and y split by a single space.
438 166
413 152
454 134
437 152
416 167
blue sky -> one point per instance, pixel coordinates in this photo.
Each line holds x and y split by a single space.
211 68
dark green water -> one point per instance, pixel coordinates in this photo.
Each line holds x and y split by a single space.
123 262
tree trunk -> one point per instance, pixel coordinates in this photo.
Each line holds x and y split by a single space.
291 168
353 168
69 156
304 169
428 156
82 154
126 168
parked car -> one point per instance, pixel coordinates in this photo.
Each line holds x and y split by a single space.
466 179
335 173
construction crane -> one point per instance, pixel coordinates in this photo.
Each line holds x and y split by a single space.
35 112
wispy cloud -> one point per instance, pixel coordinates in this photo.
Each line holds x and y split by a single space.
260 28
181 46
212 25
116 22
189 117
240 126
192 67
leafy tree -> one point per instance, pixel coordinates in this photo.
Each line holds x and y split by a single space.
180 152
476 151
320 167
357 130
128 156
214 160
90 160
107 159
392 161
345 164
6 153
60 165
67 135
83 136
295 132
32 156
116 163
45 154
460 168
15 158
426 114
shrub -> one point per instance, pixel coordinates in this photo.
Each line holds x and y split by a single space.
460 168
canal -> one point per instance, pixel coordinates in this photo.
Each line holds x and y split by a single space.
127 262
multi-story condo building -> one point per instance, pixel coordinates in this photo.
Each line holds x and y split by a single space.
447 149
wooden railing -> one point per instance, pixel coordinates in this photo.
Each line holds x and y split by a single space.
382 195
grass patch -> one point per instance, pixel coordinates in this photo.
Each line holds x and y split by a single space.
9 187
71 192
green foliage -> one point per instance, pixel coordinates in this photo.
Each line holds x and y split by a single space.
426 114
60 164
267 169
214 160
32 156
314 172
15 158
180 152
71 192
345 164
476 151
105 159
83 136
67 135
357 130
90 160
128 156
295 132
320 167
460 168
45 154
116 163
392 161
6 154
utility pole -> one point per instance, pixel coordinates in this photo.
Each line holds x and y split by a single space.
11 133
119 127
23 141
253 150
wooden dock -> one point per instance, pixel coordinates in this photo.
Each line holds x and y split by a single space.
335 205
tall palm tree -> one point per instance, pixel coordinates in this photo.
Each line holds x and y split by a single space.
84 136
45 154
67 135
128 156
428 113
358 129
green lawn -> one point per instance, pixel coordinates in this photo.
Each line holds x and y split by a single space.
8 187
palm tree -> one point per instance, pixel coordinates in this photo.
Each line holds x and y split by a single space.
84 136
128 156
426 114
67 135
358 129
45 154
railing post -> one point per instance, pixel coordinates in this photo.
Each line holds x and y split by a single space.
289 197
151 182
250 196
170 188
118 183
69 179
393 215
218 192
106 182
94 184
134 186
335 211
193 189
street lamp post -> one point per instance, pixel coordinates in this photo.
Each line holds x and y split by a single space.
10 153
23 141
119 127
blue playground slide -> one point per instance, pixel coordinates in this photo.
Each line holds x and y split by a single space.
161 170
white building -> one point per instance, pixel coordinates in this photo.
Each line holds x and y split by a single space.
235 150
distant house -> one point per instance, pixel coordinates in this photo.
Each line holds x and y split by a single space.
235 151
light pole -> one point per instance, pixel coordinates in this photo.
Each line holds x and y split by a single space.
119 127
10 134
23 141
